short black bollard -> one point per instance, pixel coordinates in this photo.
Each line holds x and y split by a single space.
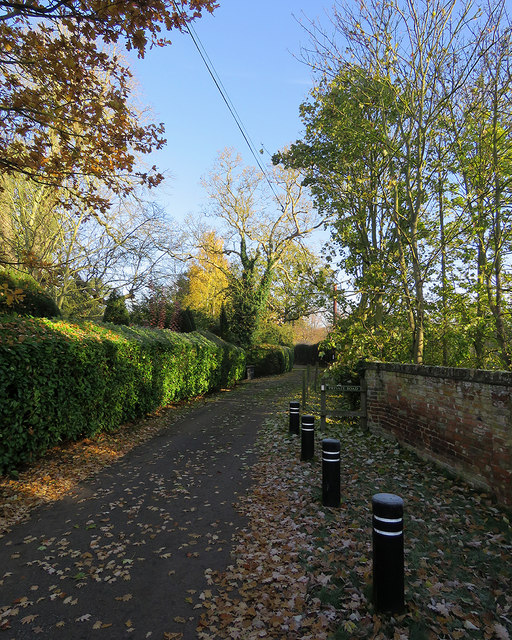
388 552
330 472
307 450
294 417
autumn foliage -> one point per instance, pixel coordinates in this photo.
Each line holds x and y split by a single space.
65 118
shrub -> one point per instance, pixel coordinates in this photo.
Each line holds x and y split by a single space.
270 359
62 381
116 311
233 360
272 333
188 323
346 375
32 299
306 353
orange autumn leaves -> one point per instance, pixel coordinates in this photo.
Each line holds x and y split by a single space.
65 112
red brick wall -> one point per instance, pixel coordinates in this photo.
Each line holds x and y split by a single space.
462 418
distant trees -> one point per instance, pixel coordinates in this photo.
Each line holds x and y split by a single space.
206 281
261 231
407 144
71 139
73 255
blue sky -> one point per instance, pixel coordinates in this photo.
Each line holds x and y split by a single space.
252 45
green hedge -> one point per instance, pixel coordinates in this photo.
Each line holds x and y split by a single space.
270 359
62 381
33 301
306 353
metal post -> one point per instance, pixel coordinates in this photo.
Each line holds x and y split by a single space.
330 472
294 417
307 450
323 402
388 552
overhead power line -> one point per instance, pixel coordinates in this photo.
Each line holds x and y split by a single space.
232 110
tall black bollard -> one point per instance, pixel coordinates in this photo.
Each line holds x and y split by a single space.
330 472
307 450
388 552
294 417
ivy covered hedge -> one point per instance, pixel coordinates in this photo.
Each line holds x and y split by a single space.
270 359
62 381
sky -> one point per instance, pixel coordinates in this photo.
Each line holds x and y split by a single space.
255 48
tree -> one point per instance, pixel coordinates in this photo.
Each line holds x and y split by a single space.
138 22
376 118
223 323
207 279
349 127
301 287
258 227
481 136
115 310
68 251
64 116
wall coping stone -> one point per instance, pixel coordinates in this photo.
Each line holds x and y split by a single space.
501 378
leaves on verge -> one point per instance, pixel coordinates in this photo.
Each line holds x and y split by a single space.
302 571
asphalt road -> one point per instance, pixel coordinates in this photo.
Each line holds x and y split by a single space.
127 554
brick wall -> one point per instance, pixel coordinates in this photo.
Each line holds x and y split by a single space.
462 418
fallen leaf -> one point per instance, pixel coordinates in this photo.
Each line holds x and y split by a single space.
501 632
83 618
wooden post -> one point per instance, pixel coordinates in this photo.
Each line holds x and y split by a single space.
363 404
323 412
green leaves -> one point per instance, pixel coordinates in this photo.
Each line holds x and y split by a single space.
270 359
66 381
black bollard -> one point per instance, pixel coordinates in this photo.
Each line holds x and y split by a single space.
330 472
294 417
307 450
388 552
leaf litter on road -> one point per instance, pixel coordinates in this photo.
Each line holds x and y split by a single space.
298 570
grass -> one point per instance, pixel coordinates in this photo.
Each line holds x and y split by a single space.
458 545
